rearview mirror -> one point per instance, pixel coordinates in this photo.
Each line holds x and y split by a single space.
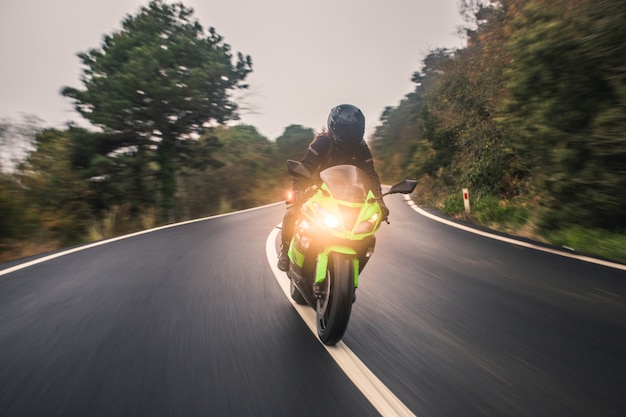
296 169
403 187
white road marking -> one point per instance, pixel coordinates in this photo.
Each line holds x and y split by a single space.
513 241
370 386
104 242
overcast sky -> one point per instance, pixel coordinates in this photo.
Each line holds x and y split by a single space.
308 56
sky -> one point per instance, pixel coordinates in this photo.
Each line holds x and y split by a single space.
308 56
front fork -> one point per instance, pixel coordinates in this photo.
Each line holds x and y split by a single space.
297 257
322 266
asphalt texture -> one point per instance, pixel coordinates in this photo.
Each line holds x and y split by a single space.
190 321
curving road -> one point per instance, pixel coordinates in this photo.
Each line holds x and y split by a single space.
191 321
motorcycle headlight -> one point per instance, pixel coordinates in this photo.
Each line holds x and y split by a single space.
367 226
331 221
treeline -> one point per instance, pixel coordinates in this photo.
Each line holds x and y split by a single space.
158 94
54 199
529 115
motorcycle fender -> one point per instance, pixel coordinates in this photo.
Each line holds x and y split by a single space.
322 263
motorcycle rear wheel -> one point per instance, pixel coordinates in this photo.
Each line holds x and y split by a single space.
333 311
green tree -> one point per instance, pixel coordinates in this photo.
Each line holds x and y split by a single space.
294 142
157 83
568 107
244 178
54 190
18 217
14 219
447 129
397 138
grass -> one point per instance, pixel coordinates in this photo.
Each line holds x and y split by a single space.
601 243
516 218
20 249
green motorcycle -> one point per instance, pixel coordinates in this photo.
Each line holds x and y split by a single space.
333 240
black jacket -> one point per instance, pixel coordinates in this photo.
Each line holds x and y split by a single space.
324 153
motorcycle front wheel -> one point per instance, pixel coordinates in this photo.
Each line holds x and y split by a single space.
333 309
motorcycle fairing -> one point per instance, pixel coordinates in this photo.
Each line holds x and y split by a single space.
322 263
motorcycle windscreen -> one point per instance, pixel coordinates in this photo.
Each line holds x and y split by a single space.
346 182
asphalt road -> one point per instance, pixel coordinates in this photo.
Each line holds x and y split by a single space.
190 321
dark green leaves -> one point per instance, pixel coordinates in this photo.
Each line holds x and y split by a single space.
158 82
533 108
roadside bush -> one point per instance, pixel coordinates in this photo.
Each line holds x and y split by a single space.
490 209
597 242
453 204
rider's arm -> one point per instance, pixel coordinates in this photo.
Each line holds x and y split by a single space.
366 163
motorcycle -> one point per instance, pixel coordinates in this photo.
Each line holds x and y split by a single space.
333 241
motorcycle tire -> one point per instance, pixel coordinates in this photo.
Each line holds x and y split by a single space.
333 311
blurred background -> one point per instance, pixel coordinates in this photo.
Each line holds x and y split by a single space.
528 114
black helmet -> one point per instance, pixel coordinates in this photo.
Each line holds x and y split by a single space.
346 124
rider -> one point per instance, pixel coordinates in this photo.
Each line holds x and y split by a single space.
341 144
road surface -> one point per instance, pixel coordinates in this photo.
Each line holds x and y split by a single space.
191 321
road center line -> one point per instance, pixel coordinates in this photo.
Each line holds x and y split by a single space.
370 386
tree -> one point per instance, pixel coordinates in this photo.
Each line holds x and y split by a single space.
397 137
568 106
245 177
18 218
156 83
53 189
292 144
115 176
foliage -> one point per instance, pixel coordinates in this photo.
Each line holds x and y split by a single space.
492 210
243 179
114 177
529 115
591 241
18 219
54 188
155 85
392 144
293 143
488 210
568 101
453 204
530 111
